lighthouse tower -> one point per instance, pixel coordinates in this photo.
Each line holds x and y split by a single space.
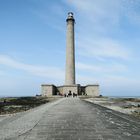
70 51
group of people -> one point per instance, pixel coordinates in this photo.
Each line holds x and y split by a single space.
70 94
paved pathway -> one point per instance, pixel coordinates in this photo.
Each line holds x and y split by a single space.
70 119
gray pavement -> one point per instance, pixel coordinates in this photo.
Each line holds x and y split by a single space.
70 119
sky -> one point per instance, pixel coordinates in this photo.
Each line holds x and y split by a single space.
33 45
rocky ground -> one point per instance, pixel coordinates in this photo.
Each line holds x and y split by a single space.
129 106
18 104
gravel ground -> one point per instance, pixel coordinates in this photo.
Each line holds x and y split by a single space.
123 105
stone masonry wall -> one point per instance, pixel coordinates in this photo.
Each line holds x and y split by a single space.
92 90
47 90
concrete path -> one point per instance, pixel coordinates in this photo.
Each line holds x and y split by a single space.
70 119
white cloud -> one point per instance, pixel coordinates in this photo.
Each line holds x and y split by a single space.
113 84
101 68
85 80
109 81
98 20
98 11
87 67
120 82
103 48
43 71
109 11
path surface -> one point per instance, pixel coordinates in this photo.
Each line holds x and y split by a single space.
69 119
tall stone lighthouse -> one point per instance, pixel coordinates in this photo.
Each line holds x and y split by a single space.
70 51
70 85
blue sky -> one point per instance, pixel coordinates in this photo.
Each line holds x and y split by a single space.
33 43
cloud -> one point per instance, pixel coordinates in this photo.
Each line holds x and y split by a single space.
108 68
43 71
113 84
98 21
98 11
109 11
103 48
122 85
85 79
